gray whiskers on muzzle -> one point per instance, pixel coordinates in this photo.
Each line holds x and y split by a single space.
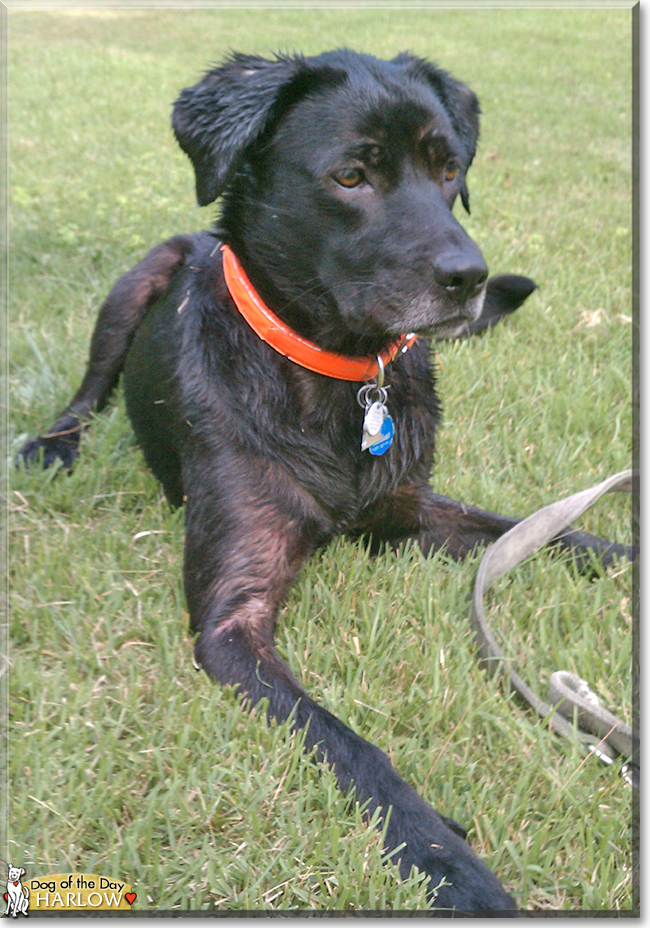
431 315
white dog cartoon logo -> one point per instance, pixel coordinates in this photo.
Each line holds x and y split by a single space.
17 895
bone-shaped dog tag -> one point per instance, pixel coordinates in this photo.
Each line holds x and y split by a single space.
374 418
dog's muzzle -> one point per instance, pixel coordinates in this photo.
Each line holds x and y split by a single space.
463 275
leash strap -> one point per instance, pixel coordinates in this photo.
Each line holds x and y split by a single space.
569 695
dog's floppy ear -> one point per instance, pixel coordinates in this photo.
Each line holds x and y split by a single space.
229 109
459 101
464 195
216 119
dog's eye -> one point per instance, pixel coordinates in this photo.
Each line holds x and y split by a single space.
451 170
349 177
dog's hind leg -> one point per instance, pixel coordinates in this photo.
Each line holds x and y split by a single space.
119 317
244 546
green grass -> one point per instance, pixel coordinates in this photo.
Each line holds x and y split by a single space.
124 760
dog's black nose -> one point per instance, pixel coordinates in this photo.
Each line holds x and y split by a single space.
462 275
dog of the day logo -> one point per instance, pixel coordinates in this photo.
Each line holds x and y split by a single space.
17 895
78 892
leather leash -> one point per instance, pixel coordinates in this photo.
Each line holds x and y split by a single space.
569 695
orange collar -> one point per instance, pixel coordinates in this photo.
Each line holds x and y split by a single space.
278 335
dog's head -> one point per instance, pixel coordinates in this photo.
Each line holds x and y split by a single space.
340 173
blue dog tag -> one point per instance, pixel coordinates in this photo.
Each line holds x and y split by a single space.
385 438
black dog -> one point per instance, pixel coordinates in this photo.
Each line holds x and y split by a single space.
338 176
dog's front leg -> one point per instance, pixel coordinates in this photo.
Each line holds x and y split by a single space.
245 541
414 512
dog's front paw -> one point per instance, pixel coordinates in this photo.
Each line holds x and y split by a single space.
457 878
591 554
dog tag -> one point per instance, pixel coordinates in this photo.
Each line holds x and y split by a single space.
374 418
382 442
367 440
378 427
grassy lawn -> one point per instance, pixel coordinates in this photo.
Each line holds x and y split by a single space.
126 762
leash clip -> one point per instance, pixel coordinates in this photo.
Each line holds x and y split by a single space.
631 774
602 753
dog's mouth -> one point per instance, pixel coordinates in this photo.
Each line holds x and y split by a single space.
427 317
448 328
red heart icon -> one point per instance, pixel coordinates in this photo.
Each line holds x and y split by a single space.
6 897
130 897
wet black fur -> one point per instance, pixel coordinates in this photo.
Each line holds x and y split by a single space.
266 455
